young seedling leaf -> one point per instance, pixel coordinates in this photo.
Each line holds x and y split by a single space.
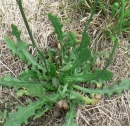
115 8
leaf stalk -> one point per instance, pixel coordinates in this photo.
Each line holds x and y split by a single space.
30 33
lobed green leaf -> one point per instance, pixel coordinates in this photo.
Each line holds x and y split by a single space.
31 88
21 49
85 77
23 113
83 56
116 88
12 46
70 116
85 41
57 26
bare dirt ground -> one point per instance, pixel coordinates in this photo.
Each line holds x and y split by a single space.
114 112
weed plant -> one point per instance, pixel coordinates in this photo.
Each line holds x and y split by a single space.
56 76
